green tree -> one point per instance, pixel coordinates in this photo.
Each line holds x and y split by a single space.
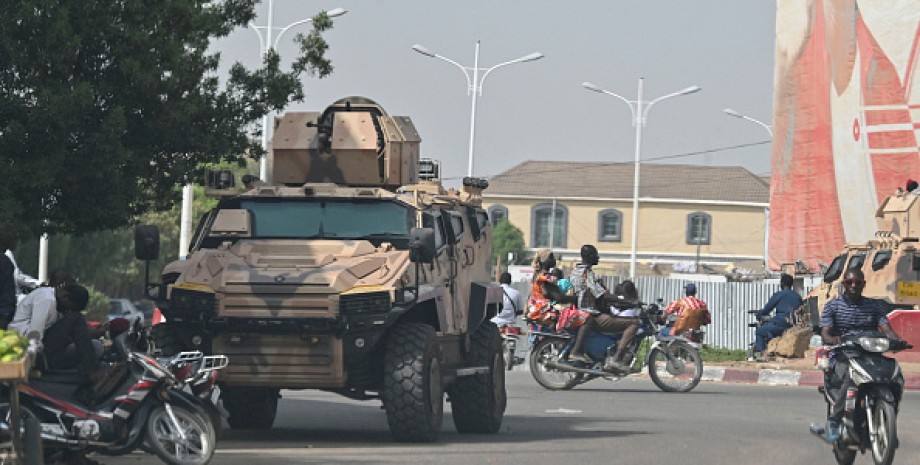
506 238
106 107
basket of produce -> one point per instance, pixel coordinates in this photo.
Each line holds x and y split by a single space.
14 360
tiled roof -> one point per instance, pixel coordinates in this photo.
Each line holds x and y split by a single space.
615 181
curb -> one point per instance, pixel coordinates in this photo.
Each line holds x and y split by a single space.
768 377
771 377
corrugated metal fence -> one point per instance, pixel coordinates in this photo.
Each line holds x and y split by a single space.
728 302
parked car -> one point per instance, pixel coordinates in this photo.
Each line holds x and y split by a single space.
123 308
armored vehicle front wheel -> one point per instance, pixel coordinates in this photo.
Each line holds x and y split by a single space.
478 401
412 394
165 338
250 407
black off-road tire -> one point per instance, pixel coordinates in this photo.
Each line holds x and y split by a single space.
412 393
250 407
478 401
165 338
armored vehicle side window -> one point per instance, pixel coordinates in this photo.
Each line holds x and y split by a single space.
456 223
881 258
474 223
834 270
856 261
433 222
483 219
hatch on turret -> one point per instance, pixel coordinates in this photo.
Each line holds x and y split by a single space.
353 142
899 215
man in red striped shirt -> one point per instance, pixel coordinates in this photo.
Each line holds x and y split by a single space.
691 313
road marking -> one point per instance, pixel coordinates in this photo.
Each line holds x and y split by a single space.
564 411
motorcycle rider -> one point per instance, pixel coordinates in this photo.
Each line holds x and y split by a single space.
784 301
592 295
849 312
691 313
38 310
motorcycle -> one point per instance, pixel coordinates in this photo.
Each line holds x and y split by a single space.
148 406
871 410
674 362
510 335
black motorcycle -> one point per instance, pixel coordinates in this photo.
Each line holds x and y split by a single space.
871 412
147 406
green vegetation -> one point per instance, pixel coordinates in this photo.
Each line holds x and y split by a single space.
107 107
506 238
718 354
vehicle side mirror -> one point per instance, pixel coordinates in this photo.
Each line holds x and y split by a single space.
421 245
147 242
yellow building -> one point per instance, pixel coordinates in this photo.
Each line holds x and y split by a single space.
714 217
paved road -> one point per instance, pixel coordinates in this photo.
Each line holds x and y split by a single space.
629 422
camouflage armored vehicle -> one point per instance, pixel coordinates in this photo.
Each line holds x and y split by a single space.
890 261
345 273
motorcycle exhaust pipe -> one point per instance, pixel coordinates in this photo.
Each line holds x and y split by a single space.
558 366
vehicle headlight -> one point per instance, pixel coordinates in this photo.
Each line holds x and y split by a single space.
367 302
874 344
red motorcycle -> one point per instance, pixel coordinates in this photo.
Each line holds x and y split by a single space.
147 404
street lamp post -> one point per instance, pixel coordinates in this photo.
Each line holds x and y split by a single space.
474 84
640 109
266 45
730 112
766 213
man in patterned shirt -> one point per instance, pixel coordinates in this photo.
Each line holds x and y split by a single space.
592 295
850 312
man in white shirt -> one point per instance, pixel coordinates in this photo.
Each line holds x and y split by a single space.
37 311
21 279
512 303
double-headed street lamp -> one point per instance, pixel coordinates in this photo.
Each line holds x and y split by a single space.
266 45
730 112
640 109
474 83
766 235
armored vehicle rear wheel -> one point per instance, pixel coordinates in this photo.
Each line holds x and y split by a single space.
478 401
250 407
412 393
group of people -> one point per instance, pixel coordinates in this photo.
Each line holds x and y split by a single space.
610 312
51 315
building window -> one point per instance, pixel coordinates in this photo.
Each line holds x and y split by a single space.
497 214
699 228
542 216
609 226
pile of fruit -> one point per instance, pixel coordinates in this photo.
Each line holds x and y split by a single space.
12 345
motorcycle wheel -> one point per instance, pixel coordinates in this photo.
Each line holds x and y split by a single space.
163 437
550 378
675 367
883 432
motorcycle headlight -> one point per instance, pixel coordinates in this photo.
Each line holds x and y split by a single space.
874 344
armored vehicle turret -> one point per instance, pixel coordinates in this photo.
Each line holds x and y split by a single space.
344 272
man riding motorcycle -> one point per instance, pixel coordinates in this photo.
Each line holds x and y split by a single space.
850 312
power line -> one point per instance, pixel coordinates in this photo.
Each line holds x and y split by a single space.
663 157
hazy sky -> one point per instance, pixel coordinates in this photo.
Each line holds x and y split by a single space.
539 110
